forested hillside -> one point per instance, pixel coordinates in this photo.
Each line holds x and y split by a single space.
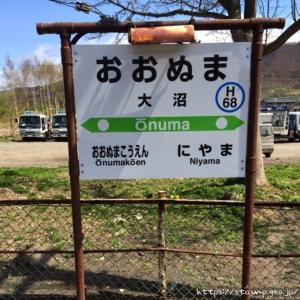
281 72
32 85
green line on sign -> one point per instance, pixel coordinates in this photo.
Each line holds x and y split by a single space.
162 124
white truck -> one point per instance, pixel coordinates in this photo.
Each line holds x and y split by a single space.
33 125
286 125
265 117
59 126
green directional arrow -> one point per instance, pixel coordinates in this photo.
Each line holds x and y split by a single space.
162 124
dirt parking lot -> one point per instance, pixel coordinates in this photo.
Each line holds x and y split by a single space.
25 154
14 154
285 152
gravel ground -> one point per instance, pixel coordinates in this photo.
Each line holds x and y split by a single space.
285 152
25 154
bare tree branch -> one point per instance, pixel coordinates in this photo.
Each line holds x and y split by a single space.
290 31
221 9
198 13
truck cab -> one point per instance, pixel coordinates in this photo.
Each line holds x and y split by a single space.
267 139
33 125
265 117
59 126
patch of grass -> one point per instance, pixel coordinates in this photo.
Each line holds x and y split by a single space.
40 209
10 172
5 182
175 188
31 195
136 225
54 182
192 224
7 138
57 240
188 270
261 229
289 245
60 196
33 182
285 182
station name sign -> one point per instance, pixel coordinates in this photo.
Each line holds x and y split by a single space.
162 111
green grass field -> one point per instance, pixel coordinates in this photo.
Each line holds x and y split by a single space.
213 228
53 183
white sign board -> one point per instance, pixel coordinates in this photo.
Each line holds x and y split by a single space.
162 111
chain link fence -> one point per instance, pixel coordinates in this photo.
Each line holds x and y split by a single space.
202 250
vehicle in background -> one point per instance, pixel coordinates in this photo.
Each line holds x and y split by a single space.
280 122
265 117
33 125
294 126
59 126
286 125
267 139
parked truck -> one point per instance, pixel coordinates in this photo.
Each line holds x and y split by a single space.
285 124
33 125
59 126
265 117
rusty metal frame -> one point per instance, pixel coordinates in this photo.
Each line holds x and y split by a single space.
67 62
251 159
66 29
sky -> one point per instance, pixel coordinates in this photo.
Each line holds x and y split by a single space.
18 29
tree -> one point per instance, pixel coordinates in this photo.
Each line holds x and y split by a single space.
26 80
221 9
7 113
47 77
12 79
31 85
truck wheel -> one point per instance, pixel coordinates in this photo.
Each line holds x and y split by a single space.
268 155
